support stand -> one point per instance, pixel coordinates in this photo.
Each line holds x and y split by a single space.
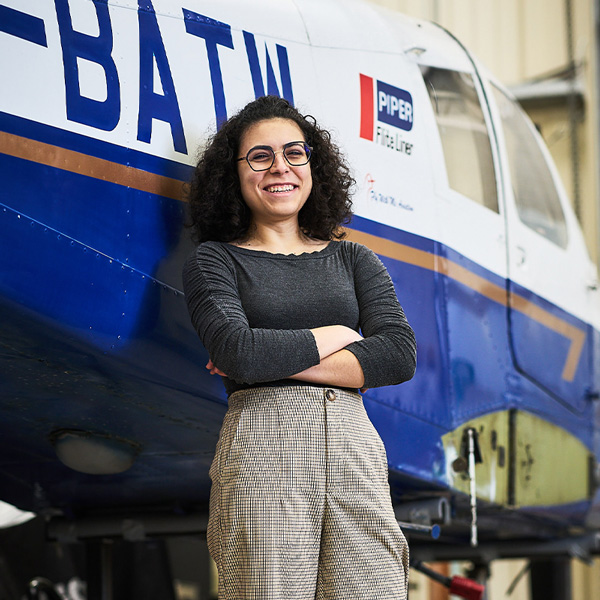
100 570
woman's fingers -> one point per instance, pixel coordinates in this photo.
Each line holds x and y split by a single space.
214 370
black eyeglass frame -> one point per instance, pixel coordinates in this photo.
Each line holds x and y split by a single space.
308 149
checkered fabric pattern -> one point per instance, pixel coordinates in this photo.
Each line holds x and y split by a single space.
300 502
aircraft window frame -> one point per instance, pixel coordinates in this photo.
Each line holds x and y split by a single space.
535 192
464 134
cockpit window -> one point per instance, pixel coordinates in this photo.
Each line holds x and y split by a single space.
464 135
536 196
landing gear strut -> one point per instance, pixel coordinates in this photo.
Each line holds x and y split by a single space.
551 579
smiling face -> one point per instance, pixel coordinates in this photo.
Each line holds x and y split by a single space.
277 194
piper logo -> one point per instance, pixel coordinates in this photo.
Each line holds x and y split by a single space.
394 107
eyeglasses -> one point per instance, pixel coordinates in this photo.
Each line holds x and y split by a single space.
261 158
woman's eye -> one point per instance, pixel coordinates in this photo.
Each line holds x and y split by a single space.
260 156
296 152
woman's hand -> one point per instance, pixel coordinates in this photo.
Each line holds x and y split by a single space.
331 338
340 369
214 370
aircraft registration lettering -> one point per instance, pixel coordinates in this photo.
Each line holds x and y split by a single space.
88 57
76 47
24 26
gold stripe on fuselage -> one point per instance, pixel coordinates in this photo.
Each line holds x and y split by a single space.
98 168
494 292
90 166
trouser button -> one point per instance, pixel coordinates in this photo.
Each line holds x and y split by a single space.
330 395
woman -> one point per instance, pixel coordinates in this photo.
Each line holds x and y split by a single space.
300 503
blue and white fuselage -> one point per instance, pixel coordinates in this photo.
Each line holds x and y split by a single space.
103 107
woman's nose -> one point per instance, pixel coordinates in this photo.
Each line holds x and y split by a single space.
279 165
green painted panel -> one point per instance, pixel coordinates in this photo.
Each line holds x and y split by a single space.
491 475
551 467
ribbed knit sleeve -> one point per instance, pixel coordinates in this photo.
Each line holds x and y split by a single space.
388 352
247 355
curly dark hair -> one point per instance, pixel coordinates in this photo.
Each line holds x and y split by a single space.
217 210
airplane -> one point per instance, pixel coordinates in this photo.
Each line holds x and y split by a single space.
108 417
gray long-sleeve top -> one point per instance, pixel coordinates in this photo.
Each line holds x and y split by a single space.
253 311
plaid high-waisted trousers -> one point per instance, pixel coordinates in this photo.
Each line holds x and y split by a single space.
300 505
